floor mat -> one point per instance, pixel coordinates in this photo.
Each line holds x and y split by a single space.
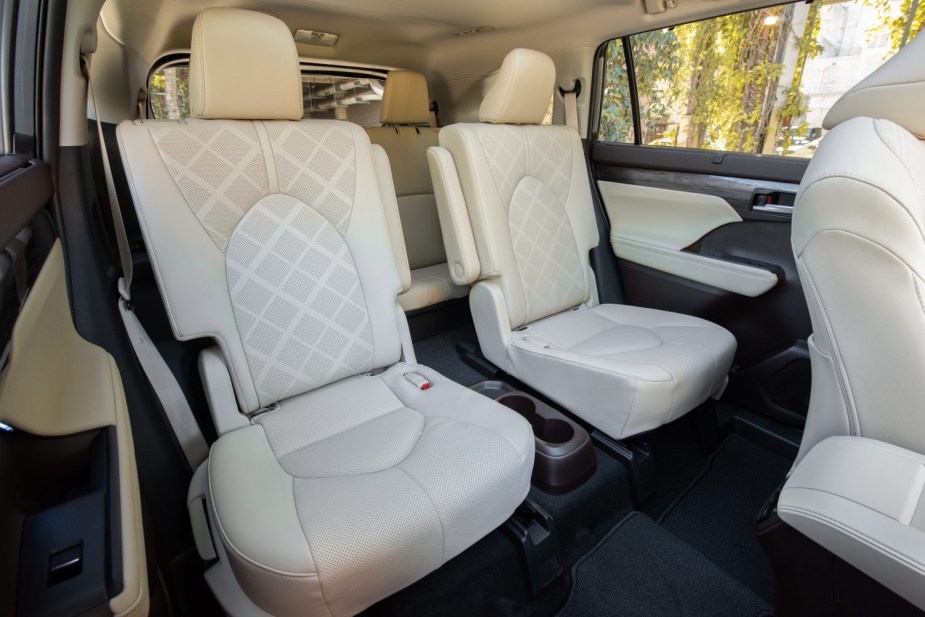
716 516
640 569
439 353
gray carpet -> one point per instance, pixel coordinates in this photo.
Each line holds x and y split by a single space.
640 569
439 353
716 516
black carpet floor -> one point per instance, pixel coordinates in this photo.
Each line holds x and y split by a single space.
640 569
716 516
439 353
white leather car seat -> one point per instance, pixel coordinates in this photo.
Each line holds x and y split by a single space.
859 242
524 188
269 235
405 136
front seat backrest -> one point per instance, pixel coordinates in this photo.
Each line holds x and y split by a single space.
859 242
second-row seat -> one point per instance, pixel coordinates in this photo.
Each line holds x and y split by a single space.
338 477
405 136
515 199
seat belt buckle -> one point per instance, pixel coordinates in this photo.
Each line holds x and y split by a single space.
418 381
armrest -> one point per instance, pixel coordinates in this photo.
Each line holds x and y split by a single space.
458 240
392 215
731 276
863 501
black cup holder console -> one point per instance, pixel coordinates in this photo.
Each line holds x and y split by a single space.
565 456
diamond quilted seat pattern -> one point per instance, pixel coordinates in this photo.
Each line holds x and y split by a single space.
297 299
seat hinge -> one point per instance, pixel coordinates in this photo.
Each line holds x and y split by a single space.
251 415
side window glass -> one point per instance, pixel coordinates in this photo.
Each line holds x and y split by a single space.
757 82
168 93
617 107
355 99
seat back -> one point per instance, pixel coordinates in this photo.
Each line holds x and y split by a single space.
859 242
527 193
266 233
405 135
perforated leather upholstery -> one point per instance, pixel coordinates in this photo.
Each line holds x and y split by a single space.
859 241
272 238
405 106
527 196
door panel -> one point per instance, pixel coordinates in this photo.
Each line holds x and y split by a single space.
72 506
734 265
653 227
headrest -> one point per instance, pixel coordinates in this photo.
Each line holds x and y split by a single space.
522 89
405 99
895 92
244 66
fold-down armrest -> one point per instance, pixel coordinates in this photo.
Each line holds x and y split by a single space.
863 501
458 240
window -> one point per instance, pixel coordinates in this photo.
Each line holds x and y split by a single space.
755 82
355 99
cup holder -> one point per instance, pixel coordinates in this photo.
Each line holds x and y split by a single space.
550 430
565 456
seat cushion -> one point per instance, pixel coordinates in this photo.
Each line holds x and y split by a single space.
429 286
624 369
347 493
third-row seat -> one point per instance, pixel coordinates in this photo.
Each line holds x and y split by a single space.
525 191
405 136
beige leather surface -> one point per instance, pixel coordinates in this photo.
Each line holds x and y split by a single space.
863 500
80 395
857 234
894 92
405 99
726 275
229 81
663 217
392 216
291 496
624 369
520 92
545 270
429 286
406 147
57 384
650 226
462 258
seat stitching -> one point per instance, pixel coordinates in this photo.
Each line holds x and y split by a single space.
430 500
606 370
865 538
346 430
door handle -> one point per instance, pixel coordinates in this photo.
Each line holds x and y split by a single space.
778 203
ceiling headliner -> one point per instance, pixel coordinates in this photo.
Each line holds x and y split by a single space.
415 34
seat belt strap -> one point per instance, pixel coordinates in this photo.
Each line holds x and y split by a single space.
167 389
125 253
162 379
571 109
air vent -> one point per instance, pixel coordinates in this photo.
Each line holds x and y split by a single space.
315 37
475 30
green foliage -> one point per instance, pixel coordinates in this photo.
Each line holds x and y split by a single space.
616 109
168 93
794 101
897 23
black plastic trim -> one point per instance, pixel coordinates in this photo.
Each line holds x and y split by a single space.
23 193
693 160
